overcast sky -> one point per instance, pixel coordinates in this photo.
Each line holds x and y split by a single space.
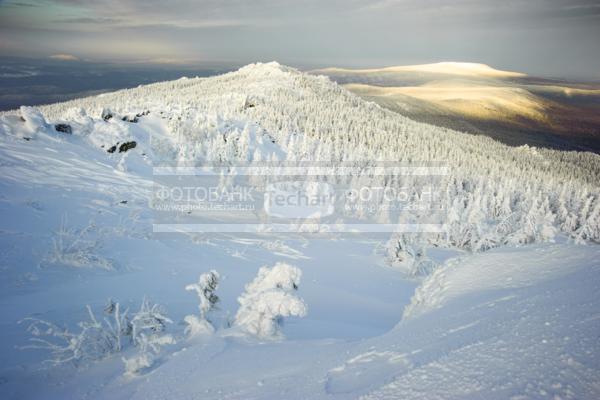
549 37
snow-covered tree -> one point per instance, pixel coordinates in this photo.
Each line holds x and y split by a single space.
407 252
205 288
269 298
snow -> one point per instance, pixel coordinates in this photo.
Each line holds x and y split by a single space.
503 343
507 309
497 269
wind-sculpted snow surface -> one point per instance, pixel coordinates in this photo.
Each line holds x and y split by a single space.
502 311
498 269
534 339
514 324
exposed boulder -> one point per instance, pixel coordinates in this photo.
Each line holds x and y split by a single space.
127 146
136 117
106 114
64 128
123 147
249 103
127 118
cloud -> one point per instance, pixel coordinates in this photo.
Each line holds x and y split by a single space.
64 57
529 35
18 4
87 20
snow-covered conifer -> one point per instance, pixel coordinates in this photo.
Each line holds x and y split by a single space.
205 288
269 298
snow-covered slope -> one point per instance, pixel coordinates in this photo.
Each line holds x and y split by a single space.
502 310
508 106
275 113
441 68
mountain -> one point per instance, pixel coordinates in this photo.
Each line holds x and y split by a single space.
511 107
441 68
500 302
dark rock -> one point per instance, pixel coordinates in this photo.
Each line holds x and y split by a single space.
64 128
106 114
136 117
130 119
112 149
127 146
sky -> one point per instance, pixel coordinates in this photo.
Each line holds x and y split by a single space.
558 38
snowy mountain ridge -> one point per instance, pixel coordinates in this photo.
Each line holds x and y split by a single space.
277 113
442 68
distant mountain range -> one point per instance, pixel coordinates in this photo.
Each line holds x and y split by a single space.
512 107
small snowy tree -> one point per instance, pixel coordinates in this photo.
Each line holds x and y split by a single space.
205 289
408 253
269 298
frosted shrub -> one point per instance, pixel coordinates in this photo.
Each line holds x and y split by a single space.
147 334
95 340
149 346
205 289
269 298
77 248
150 318
98 339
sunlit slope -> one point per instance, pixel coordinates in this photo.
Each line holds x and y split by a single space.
508 106
441 68
483 102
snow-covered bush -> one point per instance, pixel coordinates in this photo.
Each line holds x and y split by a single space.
150 319
269 298
95 340
98 339
77 248
147 334
149 347
205 288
